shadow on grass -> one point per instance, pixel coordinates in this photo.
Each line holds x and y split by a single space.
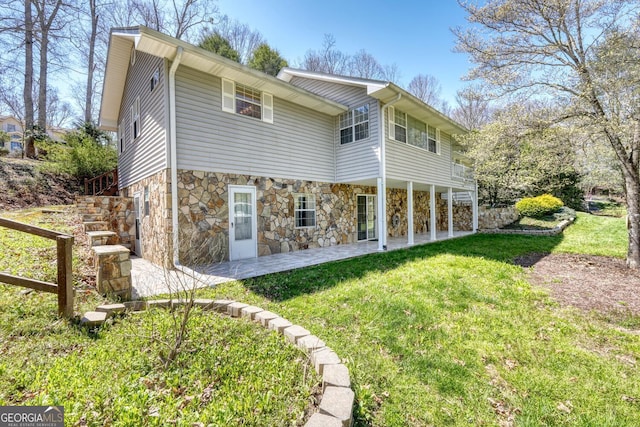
279 287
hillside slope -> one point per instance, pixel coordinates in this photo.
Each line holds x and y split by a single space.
22 185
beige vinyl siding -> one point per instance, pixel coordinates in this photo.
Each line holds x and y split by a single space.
359 159
298 144
408 163
149 150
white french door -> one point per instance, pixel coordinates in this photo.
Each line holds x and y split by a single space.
243 229
367 217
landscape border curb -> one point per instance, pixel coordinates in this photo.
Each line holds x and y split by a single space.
335 407
551 232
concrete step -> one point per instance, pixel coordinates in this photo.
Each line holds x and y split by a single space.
92 217
96 226
99 238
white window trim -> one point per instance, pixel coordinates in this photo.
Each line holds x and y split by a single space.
297 209
392 125
353 125
135 118
121 138
228 89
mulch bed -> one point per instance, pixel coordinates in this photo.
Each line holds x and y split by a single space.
588 282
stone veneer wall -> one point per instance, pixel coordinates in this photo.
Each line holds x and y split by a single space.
116 210
155 228
204 214
397 205
491 218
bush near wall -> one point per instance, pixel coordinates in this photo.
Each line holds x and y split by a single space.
537 207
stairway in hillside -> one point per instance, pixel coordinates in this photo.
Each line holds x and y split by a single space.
102 185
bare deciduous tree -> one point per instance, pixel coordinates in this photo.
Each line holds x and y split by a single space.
427 88
583 54
240 36
180 18
472 109
363 64
328 59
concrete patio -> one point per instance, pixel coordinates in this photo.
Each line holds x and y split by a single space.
149 279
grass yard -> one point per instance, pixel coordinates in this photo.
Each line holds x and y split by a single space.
449 333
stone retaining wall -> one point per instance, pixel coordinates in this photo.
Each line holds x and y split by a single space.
494 218
117 211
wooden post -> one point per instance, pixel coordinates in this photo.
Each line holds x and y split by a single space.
65 276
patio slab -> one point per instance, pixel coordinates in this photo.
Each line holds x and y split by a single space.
149 279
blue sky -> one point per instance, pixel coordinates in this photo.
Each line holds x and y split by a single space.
414 35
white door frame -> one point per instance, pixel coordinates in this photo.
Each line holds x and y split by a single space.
374 212
248 248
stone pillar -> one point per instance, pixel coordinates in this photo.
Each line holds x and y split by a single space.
409 212
432 212
450 210
113 267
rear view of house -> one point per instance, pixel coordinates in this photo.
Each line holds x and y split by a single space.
241 164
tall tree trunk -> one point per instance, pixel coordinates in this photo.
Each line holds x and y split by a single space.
42 88
633 222
45 24
29 149
632 191
90 67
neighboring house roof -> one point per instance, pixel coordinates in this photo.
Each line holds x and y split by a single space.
152 42
384 92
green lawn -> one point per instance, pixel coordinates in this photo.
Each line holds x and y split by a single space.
449 333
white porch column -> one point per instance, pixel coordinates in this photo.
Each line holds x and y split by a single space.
410 212
382 215
432 210
450 210
474 209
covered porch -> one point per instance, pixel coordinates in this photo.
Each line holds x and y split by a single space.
149 279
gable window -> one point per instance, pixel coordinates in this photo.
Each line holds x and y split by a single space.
305 210
155 78
354 125
135 119
246 101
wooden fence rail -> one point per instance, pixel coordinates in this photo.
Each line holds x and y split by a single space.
64 287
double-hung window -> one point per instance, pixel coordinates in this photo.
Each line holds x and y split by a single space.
354 125
246 101
136 128
397 124
304 210
434 140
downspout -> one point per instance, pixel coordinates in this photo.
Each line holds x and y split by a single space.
382 184
174 156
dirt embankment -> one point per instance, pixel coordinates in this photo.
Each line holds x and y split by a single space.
23 185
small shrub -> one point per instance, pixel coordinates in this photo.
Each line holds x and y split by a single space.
564 213
3 151
537 207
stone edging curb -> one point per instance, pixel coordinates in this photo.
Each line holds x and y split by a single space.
336 402
552 232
